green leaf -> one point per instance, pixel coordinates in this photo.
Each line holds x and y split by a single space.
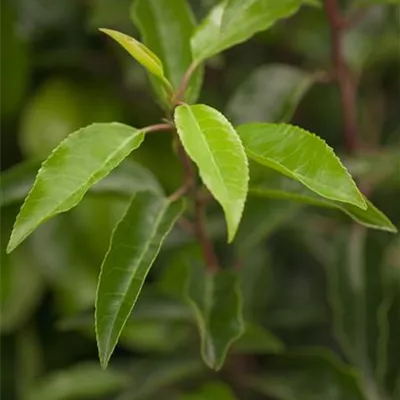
257 340
235 21
21 283
271 93
140 53
211 390
125 180
80 161
166 27
308 375
212 143
269 184
135 243
302 156
78 382
217 304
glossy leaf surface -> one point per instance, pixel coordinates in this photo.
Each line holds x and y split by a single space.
302 156
134 246
212 143
233 22
80 161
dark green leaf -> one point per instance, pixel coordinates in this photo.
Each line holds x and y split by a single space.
271 93
213 144
302 156
311 375
78 382
211 390
134 246
166 27
80 161
217 305
234 21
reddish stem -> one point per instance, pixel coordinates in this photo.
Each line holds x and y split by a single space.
343 76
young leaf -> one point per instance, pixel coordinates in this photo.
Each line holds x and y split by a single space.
166 27
233 22
217 304
213 144
140 53
302 156
79 161
135 243
270 94
269 184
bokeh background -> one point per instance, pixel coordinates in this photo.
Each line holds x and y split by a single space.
312 278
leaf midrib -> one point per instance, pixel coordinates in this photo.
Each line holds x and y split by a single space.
55 209
146 248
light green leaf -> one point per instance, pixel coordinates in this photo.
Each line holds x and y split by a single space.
302 156
166 27
269 184
140 53
80 161
235 21
212 143
308 375
271 93
135 243
217 304
78 382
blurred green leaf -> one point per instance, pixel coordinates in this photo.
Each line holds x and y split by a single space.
153 375
213 144
211 390
135 243
14 63
258 340
217 304
71 170
166 27
234 21
303 157
271 185
82 381
21 284
270 94
308 375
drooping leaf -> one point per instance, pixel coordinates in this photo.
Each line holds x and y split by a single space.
134 246
269 184
270 94
80 161
78 382
308 375
166 27
217 305
234 21
302 156
140 53
213 144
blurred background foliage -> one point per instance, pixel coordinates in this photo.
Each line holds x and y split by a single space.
322 296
